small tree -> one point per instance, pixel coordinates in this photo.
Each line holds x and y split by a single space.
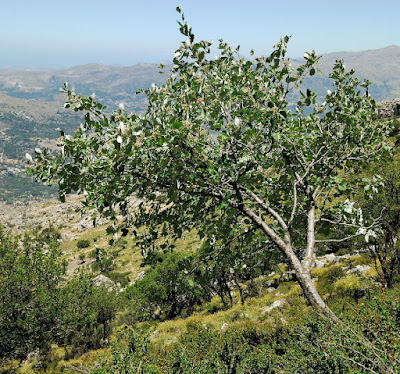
222 149
384 246
29 292
220 266
166 290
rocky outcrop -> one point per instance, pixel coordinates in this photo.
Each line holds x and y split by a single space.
388 108
276 304
322 261
102 280
359 269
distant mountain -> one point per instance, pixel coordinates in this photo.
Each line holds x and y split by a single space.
31 104
115 84
380 66
111 84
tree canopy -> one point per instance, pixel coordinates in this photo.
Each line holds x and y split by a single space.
231 146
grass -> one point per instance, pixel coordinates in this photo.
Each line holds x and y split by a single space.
332 282
128 256
239 316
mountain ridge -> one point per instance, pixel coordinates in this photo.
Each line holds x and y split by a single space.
114 84
31 105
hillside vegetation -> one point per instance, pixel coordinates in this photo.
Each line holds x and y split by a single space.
226 229
24 126
272 330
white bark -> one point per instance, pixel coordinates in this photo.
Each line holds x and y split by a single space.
302 268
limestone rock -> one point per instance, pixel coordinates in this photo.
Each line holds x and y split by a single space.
274 305
102 280
141 275
360 269
388 108
320 262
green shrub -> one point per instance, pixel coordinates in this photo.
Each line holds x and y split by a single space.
371 344
121 278
166 290
88 311
348 285
83 243
29 292
50 234
38 307
334 273
103 261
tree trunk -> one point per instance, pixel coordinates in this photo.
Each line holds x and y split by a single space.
303 275
240 290
312 295
302 269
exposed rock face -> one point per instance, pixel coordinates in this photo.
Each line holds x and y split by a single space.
141 275
274 305
102 280
320 262
359 269
388 108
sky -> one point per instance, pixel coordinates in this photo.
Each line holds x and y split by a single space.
57 34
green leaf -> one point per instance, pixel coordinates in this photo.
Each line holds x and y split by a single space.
173 194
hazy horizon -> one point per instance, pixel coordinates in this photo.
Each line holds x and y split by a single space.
56 68
51 35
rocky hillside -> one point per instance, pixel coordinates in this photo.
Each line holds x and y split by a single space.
31 104
25 125
380 66
111 84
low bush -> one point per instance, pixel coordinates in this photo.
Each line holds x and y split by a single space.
39 307
348 285
370 344
83 243
166 290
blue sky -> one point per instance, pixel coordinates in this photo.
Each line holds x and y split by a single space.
54 33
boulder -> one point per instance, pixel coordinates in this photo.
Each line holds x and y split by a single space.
274 305
102 280
331 257
359 269
141 275
224 326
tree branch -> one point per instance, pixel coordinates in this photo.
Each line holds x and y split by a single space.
271 211
309 251
293 214
338 240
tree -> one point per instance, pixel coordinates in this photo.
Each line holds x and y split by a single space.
220 266
166 290
384 246
86 314
224 147
39 307
29 277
